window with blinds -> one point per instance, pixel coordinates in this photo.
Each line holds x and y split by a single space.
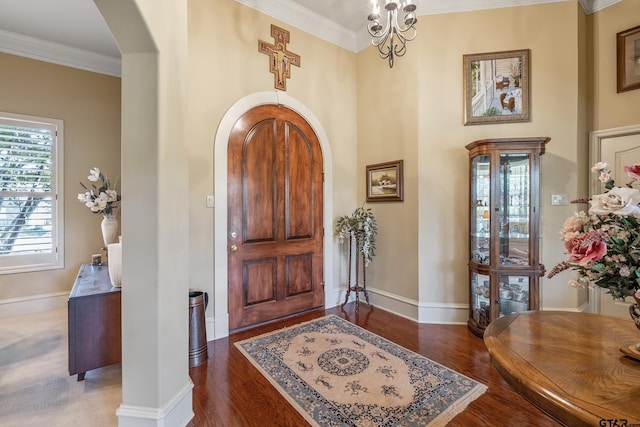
30 204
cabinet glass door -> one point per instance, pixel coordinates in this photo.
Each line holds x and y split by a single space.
480 194
514 208
480 299
513 294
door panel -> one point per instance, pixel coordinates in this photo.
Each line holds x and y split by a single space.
259 281
299 274
275 217
299 207
258 183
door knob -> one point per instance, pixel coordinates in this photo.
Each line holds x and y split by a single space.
234 248
233 234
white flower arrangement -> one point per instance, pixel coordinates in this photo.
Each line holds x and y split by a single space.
361 225
100 199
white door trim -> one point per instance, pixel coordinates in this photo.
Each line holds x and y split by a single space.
220 326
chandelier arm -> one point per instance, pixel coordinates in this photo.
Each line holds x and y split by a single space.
410 17
401 48
380 33
391 49
383 49
412 35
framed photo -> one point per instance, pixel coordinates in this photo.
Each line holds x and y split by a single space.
628 55
384 182
496 87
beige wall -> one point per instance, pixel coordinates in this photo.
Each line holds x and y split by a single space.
609 108
415 112
89 105
388 126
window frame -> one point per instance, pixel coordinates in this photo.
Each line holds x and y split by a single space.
55 259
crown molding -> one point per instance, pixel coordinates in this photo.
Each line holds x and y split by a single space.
435 8
42 50
321 27
363 40
284 10
305 20
592 6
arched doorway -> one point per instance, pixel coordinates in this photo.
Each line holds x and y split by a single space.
275 198
220 327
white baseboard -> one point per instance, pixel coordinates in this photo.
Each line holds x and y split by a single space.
217 326
334 297
583 308
176 413
33 304
396 304
441 313
436 313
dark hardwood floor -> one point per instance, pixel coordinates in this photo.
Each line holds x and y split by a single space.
229 391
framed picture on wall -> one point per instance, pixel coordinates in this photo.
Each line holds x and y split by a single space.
628 55
384 182
496 87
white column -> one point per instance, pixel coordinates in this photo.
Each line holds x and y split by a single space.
152 35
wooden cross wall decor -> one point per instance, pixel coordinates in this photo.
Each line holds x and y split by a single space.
281 59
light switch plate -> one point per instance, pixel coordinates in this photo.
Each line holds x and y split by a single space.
210 201
559 199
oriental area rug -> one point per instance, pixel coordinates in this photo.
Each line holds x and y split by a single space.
337 374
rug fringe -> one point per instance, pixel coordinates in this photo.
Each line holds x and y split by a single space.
459 406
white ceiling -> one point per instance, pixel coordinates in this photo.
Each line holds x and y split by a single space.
73 33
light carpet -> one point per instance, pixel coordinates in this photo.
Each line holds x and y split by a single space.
337 374
35 386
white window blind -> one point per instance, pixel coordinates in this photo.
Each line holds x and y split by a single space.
30 206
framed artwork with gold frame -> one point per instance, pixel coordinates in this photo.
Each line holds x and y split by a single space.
385 182
496 87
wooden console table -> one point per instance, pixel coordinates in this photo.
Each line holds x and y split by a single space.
94 321
569 364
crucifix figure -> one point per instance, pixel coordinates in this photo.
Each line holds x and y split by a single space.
280 58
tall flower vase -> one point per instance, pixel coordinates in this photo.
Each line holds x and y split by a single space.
109 228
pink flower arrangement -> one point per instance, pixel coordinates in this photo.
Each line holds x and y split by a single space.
586 247
603 244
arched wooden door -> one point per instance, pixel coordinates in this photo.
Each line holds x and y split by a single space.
275 241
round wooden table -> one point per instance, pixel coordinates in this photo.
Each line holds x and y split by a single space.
569 364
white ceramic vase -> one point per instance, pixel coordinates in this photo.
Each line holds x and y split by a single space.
109 228
114 254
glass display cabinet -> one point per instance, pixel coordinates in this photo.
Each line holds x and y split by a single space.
504 227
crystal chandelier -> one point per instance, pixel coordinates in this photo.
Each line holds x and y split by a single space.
392 37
